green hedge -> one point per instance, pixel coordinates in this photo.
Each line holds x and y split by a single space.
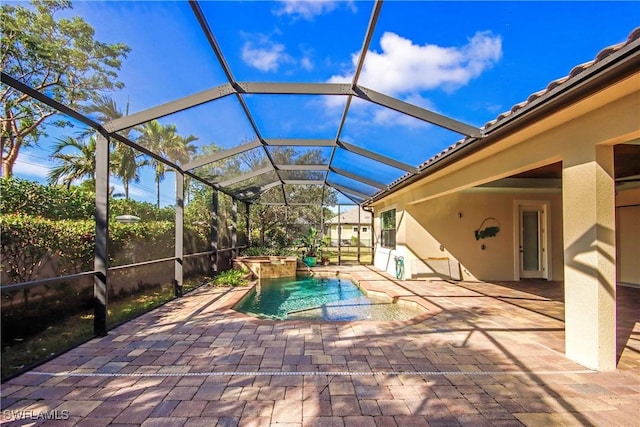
144 210
29 244
52 226
20 196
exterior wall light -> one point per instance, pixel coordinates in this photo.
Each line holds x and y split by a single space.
127 219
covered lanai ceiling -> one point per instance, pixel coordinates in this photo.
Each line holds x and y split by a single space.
346 129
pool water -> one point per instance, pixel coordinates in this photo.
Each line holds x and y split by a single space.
318 298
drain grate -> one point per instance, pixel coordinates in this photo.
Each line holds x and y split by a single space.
305 373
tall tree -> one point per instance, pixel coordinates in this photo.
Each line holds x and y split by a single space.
56 56
274 223
165 141
75 164
125 161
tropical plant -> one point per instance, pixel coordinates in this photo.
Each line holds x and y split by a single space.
56 56
76 165
20 196
165 142
231 278
125 161
311 242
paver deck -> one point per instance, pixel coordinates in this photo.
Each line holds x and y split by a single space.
485 354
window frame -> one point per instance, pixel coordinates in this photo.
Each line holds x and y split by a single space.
388 234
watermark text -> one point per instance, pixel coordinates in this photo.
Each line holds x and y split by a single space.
34 415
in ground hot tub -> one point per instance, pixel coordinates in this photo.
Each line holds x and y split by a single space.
267 267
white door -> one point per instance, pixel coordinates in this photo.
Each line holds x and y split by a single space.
532 245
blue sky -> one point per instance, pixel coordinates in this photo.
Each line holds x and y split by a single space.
467 60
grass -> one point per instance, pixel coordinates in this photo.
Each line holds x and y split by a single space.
348 253
72 330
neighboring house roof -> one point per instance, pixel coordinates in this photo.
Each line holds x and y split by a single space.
620 59
351 217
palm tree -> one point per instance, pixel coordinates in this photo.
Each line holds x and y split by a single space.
76 165
165 141
125 160
125 164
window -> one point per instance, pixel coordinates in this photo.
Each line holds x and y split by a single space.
355 229
388 229
365 229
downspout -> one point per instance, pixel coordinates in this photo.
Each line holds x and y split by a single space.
373 253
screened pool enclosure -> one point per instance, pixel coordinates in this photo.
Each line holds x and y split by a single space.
267 169
229 141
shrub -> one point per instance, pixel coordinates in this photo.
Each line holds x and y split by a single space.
267 251
50 230
144 210
231 278
20 196
59 202
30 243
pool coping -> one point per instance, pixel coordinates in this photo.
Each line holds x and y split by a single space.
393 291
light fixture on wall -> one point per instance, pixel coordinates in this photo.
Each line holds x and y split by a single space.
127 219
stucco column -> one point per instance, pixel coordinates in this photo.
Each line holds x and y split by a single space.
588 219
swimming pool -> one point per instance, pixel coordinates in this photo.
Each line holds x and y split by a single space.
319 298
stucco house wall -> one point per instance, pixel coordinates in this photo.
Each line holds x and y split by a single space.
348 232
426 211
571 128
350 221
444 227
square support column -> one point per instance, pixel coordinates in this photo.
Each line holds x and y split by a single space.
248 224
286 223
588 218
101 257
339 238
234 228
179 235
214 233
359 228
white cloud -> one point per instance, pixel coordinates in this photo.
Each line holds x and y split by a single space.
404 67
31 167
306 63
309 9
266 56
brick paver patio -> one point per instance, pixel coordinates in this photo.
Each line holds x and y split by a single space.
485 354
